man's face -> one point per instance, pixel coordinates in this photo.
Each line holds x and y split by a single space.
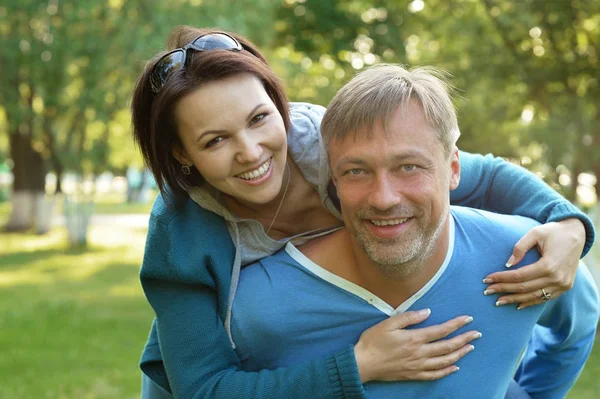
394 189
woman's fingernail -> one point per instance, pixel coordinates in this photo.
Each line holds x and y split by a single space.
510 262
487 281
477 335
470 348
424 312
456 368
500 303
468 320
488 292
519 307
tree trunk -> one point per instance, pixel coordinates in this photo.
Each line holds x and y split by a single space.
29 182
59 175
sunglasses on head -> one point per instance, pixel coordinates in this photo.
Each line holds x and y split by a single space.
178 58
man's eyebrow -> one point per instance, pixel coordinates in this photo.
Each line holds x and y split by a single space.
351 159
411 154
218 131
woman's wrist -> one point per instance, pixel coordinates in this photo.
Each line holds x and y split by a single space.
363 363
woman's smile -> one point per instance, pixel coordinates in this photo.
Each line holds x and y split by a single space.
257 174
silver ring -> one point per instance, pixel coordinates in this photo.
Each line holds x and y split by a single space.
545 295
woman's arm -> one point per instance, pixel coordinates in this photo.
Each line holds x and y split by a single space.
491 183
186 282
499 186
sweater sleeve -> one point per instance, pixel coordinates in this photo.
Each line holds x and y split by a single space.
492 184
186 292
561 341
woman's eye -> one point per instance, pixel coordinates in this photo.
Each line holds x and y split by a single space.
258 118
214 141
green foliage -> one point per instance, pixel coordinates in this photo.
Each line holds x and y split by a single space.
69 79
73 65
506 57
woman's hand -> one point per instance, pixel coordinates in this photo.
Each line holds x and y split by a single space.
561 245
388 352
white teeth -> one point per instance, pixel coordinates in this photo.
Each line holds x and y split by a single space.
257 172
392 222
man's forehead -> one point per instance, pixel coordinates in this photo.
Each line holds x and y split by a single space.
385 135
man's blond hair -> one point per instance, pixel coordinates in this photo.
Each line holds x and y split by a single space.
374 94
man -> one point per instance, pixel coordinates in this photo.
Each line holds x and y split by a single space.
390 136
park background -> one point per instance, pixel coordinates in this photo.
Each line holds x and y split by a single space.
75 198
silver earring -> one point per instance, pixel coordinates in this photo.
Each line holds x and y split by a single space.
186 169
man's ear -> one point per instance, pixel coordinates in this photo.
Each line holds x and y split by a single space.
454 168
181 156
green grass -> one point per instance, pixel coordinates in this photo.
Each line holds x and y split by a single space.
73 322
116 204
588 384
4 212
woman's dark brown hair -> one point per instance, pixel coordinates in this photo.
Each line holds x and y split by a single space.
154 125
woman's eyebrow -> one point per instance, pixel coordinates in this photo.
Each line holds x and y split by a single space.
251 113
218 131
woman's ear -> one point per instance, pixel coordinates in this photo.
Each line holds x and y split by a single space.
181 156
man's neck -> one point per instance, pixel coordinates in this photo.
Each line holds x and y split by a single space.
337 253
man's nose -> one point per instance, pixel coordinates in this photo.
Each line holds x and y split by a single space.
384 195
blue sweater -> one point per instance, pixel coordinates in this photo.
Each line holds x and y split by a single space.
289 310
186 274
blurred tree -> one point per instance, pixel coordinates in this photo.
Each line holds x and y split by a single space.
554 47
66 84
529 69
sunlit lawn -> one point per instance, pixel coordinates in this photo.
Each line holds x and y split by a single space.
73 322
117 204
113 203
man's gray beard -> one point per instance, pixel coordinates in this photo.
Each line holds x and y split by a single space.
412 258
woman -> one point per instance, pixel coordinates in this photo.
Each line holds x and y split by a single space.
240 175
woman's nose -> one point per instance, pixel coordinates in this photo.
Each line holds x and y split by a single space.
249 150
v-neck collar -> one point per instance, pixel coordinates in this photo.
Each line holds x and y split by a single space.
365 294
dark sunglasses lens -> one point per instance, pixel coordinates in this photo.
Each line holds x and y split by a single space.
215 41
165 67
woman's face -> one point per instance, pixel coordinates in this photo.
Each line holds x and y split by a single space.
234 135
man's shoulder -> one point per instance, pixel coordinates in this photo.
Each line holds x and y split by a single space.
493 222
272 277
262 266
488 232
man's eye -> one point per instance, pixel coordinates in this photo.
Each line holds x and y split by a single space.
354 172
258 118
214 141
409 168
